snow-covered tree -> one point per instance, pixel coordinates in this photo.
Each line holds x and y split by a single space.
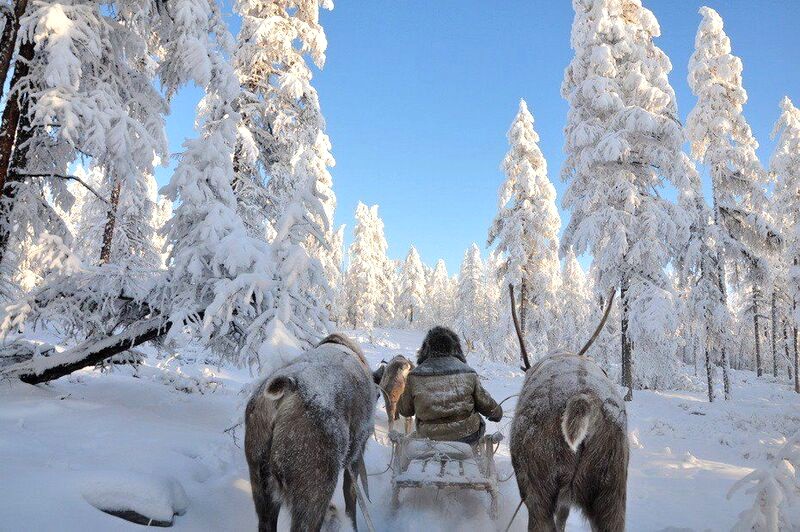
140 215
470 311
721 138
89 90
217 267
369 292
279 107
576 304
623 142
334 267
526 229
439 310
776 502
494 332
785 164
413 296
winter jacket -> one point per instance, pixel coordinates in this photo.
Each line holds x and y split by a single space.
447 398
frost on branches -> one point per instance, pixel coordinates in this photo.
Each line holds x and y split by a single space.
470 312
525 231
87 91
623 143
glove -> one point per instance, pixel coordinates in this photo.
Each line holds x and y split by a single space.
497 414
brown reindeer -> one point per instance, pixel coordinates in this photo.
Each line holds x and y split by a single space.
304 425
569 444
391 379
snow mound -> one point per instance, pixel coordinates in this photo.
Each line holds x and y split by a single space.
139 498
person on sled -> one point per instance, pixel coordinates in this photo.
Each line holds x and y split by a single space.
445 394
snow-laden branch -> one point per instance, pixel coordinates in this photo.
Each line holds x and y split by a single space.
775 491
43 368
66 178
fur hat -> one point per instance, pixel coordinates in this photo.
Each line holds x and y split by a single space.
440 342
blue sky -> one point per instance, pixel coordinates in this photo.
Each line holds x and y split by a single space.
418 96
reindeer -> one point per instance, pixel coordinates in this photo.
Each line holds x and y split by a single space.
303 425
569 444
391 379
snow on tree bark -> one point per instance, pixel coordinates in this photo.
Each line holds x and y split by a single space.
111 220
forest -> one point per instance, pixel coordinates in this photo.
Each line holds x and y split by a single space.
121 293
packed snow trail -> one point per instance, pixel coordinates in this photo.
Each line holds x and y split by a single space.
161 433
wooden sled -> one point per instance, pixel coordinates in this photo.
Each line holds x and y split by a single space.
422 463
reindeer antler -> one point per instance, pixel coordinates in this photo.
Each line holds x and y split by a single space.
601 324
524 352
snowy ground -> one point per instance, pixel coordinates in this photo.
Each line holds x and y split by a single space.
157 438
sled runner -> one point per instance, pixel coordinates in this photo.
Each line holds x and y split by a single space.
422 463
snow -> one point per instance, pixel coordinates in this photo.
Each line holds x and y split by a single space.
154 497
135 437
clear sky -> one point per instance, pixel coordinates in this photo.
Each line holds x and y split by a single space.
418 96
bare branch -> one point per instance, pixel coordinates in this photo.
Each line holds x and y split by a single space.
66 178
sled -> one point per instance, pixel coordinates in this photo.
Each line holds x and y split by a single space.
423 463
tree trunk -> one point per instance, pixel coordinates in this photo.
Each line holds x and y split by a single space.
757 331
709 374
8 41
411 314
796 354
13 132
796 362
94 352
794 337
523 294
786 350
774 333
111 222
726 383
627 359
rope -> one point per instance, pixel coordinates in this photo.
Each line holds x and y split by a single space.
506 399
363 504
514 516
388 467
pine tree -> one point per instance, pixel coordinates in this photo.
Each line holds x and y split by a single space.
623 142
369 292
785 164
440 297
526 229
470 312
413 297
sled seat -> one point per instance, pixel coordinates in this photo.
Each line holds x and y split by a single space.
420 463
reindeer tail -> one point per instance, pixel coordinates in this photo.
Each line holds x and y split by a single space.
579 416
